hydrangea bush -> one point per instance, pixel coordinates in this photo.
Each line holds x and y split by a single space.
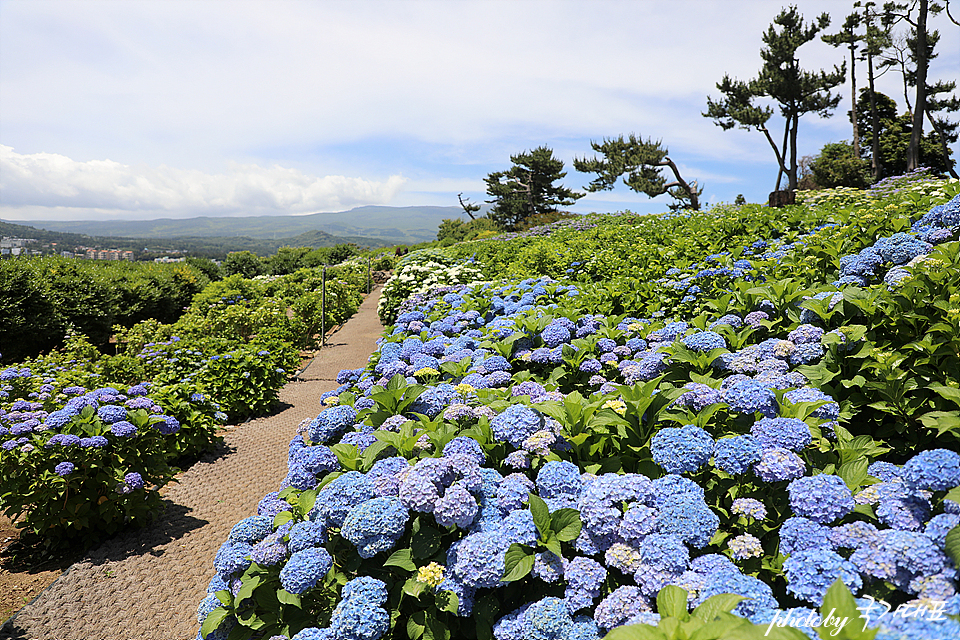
78 464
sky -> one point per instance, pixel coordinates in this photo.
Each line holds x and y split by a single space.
142 109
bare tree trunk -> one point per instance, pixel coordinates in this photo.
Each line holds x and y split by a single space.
943 144
783 161
913 151
853 95
680 182
776 151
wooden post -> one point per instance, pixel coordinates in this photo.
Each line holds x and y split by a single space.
323 307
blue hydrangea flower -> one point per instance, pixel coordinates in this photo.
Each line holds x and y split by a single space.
251 530
548 567
111 413
304 569
231 559
736 454
336 499
681 450
750 396
306 534
665 552
478 559
584 578
457 507
799 534
822 498
559 479
687 515
375 525
704 341
786 433
331 423
516 423
934 470
811 572
434 399
133 480
759 595
620 606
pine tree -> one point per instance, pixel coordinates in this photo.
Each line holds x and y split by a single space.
781 79
641 161
527 188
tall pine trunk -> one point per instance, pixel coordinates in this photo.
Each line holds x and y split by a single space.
853 96
876 162
792 174
913 151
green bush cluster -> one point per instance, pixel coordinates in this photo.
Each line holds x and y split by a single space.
41 298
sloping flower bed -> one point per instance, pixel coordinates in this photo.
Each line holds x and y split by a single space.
518 462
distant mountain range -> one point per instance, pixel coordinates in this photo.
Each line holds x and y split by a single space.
371 226
206 246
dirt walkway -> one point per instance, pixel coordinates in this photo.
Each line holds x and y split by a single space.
146 584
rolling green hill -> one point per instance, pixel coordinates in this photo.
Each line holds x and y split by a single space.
389 225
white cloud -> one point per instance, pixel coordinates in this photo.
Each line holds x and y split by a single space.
47 180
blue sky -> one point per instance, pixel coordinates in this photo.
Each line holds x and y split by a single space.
180 108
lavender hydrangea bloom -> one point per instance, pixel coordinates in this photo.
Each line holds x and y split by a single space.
457 507
270 551
682 450
698 396
620 606
304 569
133 480
778 464
822 498
64 468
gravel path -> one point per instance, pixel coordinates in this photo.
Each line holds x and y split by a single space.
145 584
